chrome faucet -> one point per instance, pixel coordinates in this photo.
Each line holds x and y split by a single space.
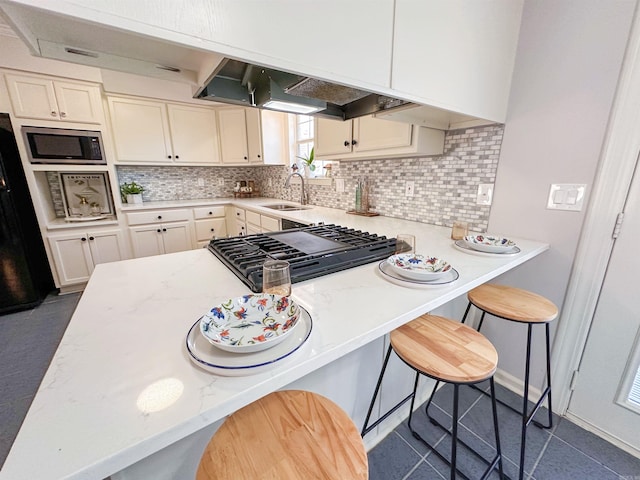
303 193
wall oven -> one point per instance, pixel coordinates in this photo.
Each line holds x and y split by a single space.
64 146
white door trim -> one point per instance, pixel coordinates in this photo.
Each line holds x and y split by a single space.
611 185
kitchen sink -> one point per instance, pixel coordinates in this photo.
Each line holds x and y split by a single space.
285 207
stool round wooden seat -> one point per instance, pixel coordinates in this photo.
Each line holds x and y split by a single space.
513 303
445 350
287 434
518 305
450 352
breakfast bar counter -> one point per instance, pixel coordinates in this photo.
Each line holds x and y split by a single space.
122 397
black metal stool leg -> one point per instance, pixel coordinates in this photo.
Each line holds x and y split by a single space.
366 430
547 391
494 409
454 428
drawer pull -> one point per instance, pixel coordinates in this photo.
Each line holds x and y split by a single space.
213 229
159 217
210 213
83 239
158 230
164 229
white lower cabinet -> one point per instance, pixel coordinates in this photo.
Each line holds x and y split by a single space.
157 239
76 254
210 223
154 232
257 223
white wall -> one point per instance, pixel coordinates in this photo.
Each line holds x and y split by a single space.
567 66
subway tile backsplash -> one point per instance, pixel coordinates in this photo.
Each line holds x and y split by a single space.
445 186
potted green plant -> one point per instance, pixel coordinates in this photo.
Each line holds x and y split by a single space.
131 192
308 162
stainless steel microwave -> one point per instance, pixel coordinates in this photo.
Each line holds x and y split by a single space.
64 146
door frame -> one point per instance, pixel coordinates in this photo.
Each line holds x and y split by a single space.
618 159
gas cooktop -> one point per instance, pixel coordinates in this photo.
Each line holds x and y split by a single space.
312 251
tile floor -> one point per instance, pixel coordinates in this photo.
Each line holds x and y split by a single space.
564 452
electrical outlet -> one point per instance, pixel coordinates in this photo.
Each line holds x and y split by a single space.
339 185
220 182
201 182
485 194
409 189
269 182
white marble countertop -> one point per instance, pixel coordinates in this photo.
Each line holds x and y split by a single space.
128 332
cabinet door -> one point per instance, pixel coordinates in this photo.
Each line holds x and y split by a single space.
33 97
212 228
254 135
140 131
371 133
72 257
78 103
176 237
333 137
275 137
194 134
147 240
107 246
233 135
238 228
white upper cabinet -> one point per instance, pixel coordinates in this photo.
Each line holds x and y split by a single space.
456 54
155 132
370 137
140 131
252 136
47 99
194 134
233 135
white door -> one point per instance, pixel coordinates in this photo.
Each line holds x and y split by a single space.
140 131
33 97
333 137
176 237
194 134
233 135
611 358
254 135
376 134
146 240
106 246
78 103
72 257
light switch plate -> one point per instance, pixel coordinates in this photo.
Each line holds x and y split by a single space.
566 196
339 185
200 182
221 181
485 194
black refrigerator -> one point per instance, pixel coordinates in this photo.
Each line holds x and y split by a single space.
25 276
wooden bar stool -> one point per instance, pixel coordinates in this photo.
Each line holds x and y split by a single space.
450 352
521 306
289 434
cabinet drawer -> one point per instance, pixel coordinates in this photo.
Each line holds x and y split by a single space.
207 229
208 212
239 214
140 218
253 217
270 224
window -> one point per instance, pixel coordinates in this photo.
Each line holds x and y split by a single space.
303 134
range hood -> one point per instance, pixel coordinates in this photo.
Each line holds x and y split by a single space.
241 83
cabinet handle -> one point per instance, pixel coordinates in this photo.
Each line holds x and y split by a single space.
213 229
177 157
238 213
164 229
83 239
91 238
159 217
245 158
168 156
54 114
258 156
62 114
210 213
354 142
158 230
346 143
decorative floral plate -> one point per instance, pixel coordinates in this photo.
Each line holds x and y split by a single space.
220 362
250 323
389 273
489 243
418 267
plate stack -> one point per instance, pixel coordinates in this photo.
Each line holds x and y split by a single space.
410 269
